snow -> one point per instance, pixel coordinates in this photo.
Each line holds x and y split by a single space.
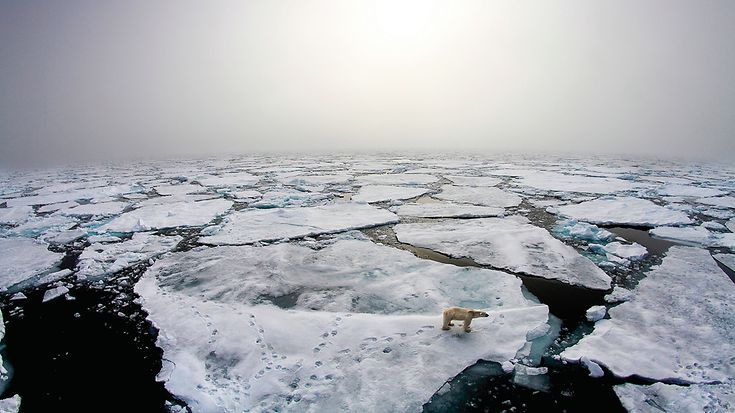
554 181
660 397
509 244
695 236
594 368
714 225
396 179
167 216
23 258
252 225
443 210
721 201
596 312
689 191
622 210
728 260
473 180
100 259
54 293
678 325
487 196
101 209
380 193
15 215
228 353
571 228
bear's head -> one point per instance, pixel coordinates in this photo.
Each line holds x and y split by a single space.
477 314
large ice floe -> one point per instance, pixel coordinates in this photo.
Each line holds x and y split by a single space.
167 216
678 326
720 201
396 179
444 210
486 196
252 225
507 243
379 193
22 258
374 342
689 191
554 181
695 236
100 259
236 180
622 210
15 215
660 397
473 180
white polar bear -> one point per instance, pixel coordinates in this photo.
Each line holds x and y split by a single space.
459 313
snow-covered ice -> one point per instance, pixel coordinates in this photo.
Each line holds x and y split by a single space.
229 354
23 258
180 189
444 210
728 260
473 180
618 294
252 225
558 182
100 259
594 368
232 180
595 313
167 216
509 244
396 179
720 201
284 197
660 397
15 215
689 191
622 210
54 293
679 325
631 252
486 196
10 405
695 236
100 209
380 193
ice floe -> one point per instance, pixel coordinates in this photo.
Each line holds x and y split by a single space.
571 228
233 180
15 215
677 326
509 244
100 209
595 313
167 216
224 353
473 180
289 197
622 210
23 258
380 193
618 294
558 182
180 189
396 179
54 293
660 397
315 180
100 259
721 201
728 260
631 252
486 196
444 210
252 225
689 191
695 236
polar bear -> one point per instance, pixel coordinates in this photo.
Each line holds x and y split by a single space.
459 313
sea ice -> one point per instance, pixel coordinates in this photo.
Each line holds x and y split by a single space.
554 181
56 207
315 180
54 293
282 198
660 397
23 258
15 215
509 244
234 180
596 312
10 405
180 189
679 325
444 210
473 180
571 228
594 368
731 225
487 196
695 236
631 252
252 225
618 294
720 201
728 260
229 354
74 195
167 216
99 259
380 193
689 191
100 209
396 179
622 210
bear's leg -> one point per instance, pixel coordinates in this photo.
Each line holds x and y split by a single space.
467 322
447 322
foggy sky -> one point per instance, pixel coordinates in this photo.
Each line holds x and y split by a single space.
99 79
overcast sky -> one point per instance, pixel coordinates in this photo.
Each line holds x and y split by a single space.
102 79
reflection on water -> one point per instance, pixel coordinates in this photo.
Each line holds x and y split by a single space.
654 246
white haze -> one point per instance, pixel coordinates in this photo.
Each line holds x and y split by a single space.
98 80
